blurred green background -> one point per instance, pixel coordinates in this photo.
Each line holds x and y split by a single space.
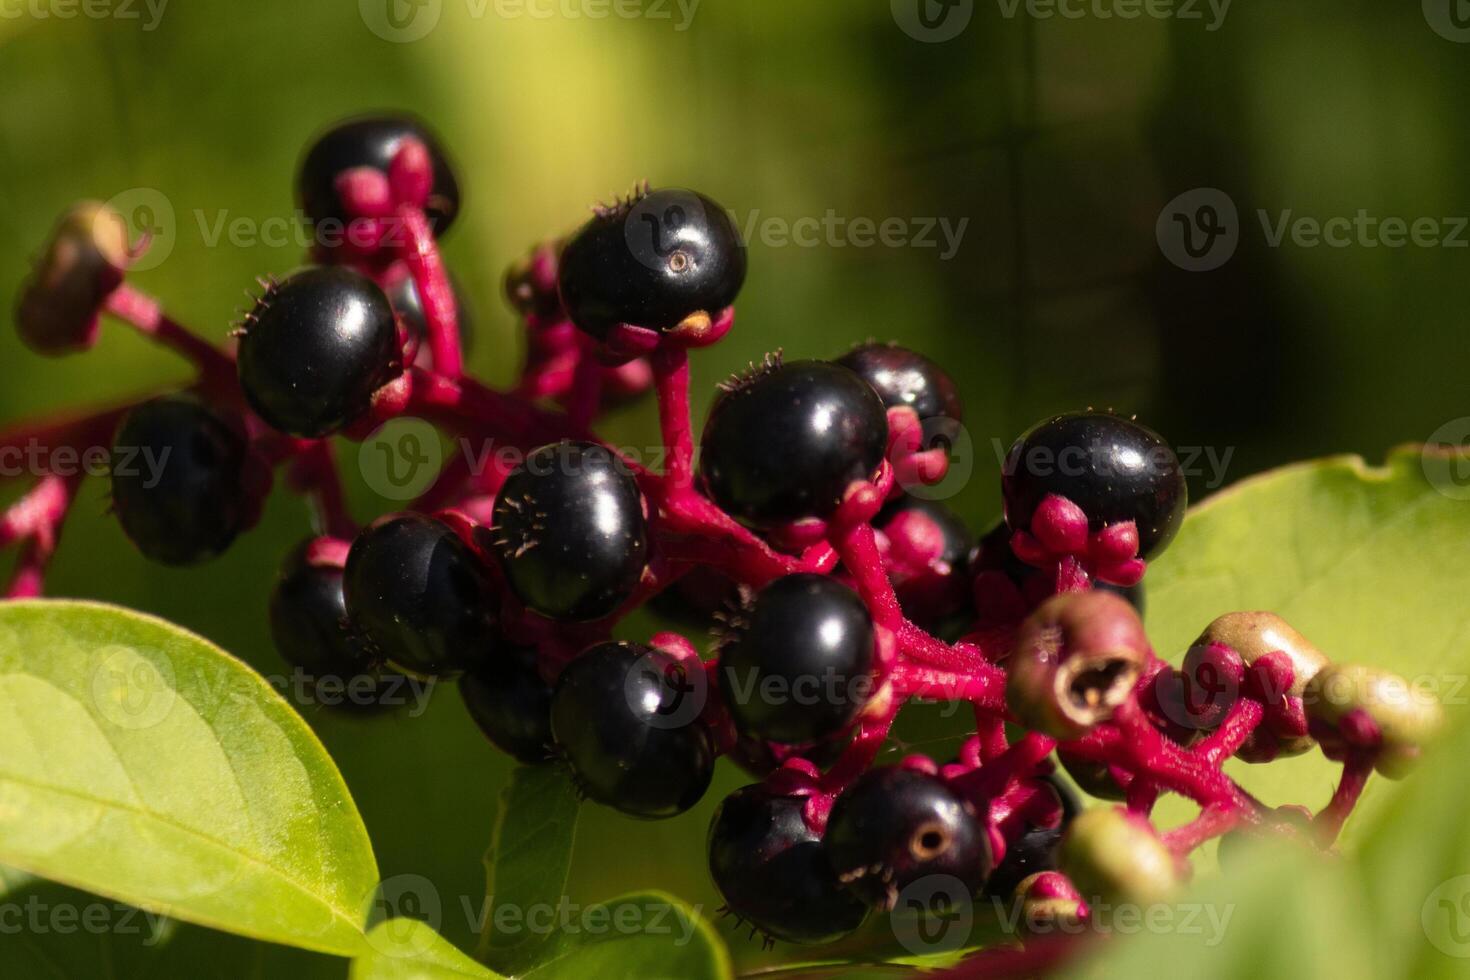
1058 141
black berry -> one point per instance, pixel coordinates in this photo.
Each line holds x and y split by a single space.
308 620
787 443
419 596
510 702
315 349
178 481
907 379
626 719
570 531
772 871
368 141
651 262
929 549
795 664
894 826
1113 468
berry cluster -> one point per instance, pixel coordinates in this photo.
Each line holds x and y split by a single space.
836 591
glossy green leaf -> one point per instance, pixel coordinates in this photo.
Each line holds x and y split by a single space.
527 864
143 763
1281 911
1416 862
1368 562
407 949
639 936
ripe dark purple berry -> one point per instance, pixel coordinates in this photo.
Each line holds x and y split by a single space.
928 553
80 267
419 596
772 871
510 702
652 261
308 620
795 666
907 379
179 481
895 826
315 348
368 141
1113 468
626 719
570 531
786 443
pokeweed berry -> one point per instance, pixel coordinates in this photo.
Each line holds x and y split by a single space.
785 443
508 699
570 531
368 141
894 826
625 720
309 626
315 348
772 871
1113 468
1114 855
179 482
1035 850
794 665
654 260
907 379
928 550
403 295
1377 711
419 596
82 264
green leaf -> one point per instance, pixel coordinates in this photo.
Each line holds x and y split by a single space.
1282 911
407 949
639 936
527 864
143 763
1367 562
1416 862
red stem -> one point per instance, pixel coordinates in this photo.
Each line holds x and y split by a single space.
420 253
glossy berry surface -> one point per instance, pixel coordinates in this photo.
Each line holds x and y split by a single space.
315 348
178 481
1035 849
907 379
419 596
894 826
570 532
369 141
795 666
510 702
787 443
308 621
627 723
651 262
773 873
1113 468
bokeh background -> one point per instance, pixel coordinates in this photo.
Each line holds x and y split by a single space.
1059 142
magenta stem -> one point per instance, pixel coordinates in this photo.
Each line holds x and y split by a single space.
1355 772
145 314
421 254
